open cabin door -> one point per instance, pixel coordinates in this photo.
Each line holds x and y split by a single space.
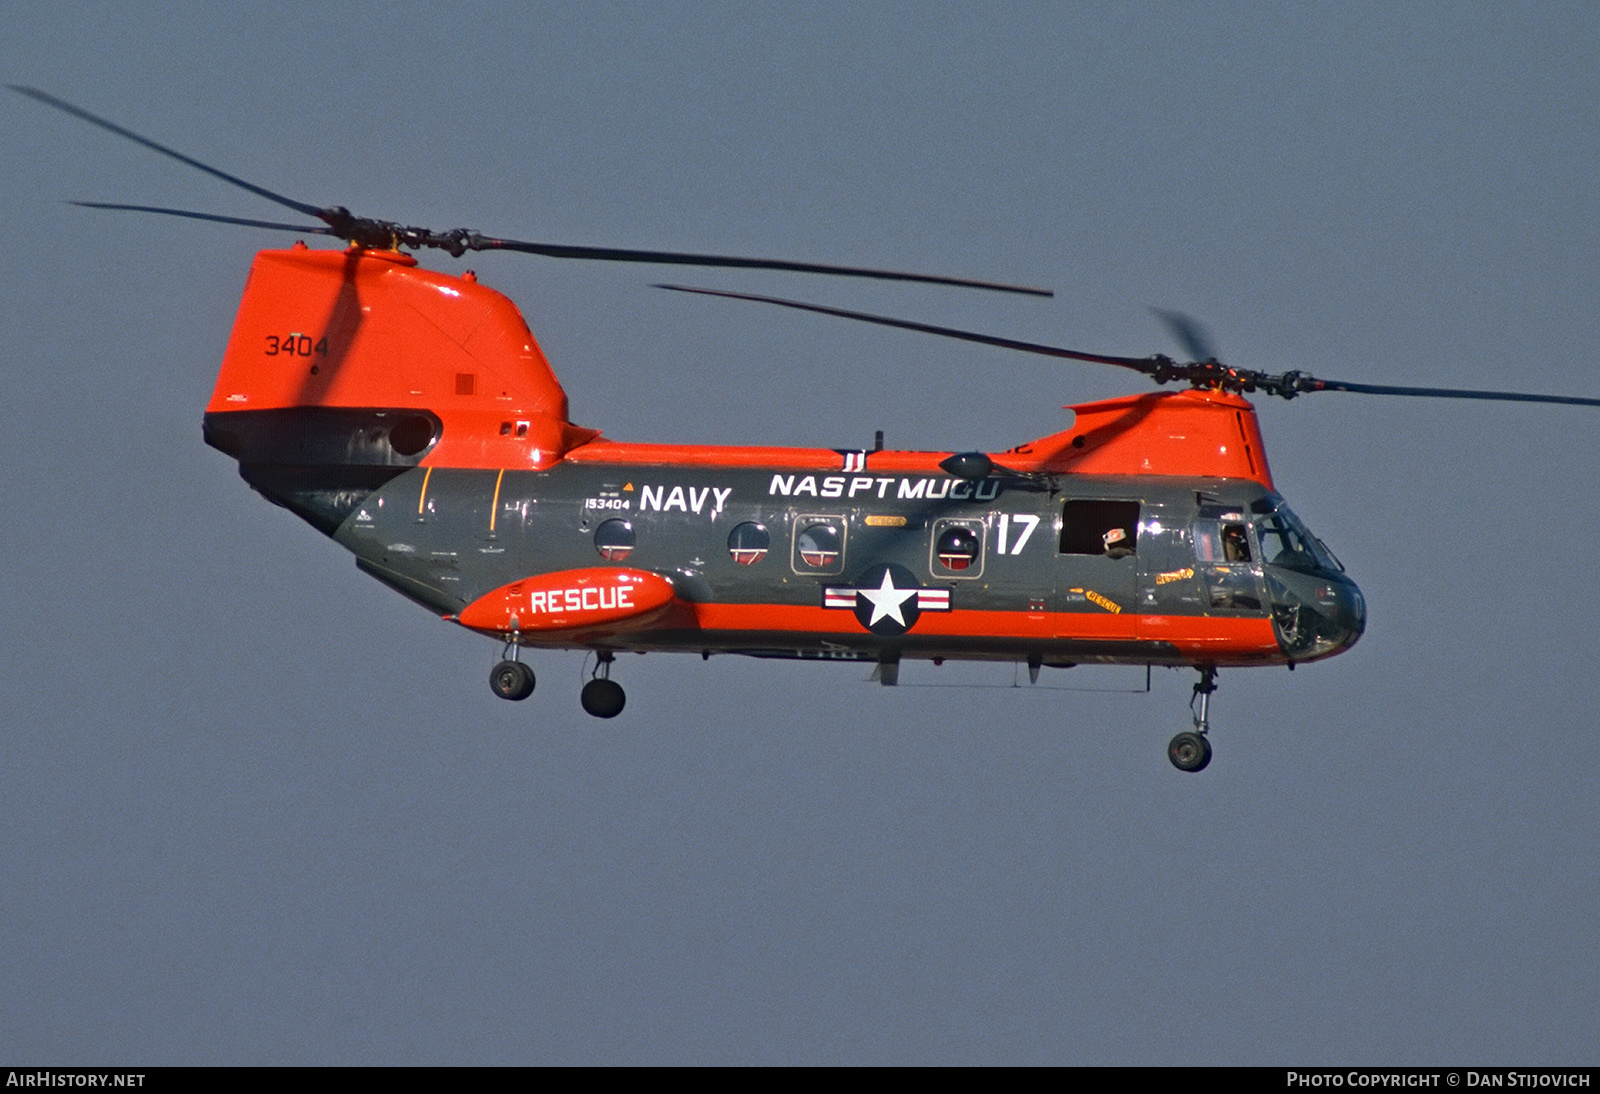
1097 569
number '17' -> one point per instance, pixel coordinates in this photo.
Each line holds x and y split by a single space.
1026 523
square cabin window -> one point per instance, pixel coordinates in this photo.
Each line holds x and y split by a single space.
1095 527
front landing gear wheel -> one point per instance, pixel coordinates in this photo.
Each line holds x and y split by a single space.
511 680
1189 752
602 698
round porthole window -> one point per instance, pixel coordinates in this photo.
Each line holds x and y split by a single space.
957 548
614 540
819 546
748 543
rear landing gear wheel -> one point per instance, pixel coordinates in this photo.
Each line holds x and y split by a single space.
1189 752
602 698
511 680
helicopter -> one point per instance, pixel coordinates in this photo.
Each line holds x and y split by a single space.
410 416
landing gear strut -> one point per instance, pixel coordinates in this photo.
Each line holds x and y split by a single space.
511 679
1190 750
602 696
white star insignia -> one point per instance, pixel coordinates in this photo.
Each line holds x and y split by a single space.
887 600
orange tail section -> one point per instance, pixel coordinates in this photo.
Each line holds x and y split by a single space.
348 368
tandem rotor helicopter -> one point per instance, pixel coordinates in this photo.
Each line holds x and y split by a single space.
410 416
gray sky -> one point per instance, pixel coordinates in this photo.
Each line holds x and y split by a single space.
260 809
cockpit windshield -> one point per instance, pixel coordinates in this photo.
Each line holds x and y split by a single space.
1286 542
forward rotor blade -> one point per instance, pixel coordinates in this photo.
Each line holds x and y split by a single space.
1207 373
308 229
1138 364
1189 333
1442 393
94 119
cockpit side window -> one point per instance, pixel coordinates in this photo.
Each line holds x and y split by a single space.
1223 558
1221 541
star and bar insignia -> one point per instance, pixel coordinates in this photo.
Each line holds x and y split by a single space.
887 599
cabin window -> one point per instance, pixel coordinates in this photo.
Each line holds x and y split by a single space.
1095 527
614 540
956 547
819 545
748 543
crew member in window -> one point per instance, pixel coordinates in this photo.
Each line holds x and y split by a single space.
1235 548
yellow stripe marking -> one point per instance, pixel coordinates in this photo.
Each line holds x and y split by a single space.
422 498
494 506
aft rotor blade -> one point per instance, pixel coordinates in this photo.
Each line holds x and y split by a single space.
308 229
94 119
679 258
1312 384
370 232
1139 364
